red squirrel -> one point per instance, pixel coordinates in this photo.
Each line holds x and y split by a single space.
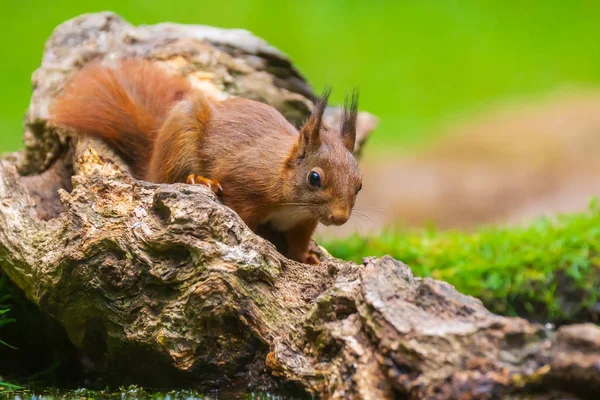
271 174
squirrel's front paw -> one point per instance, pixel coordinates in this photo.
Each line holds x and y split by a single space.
304 257
215 186
308 258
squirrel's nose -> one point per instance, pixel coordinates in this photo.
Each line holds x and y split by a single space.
338 218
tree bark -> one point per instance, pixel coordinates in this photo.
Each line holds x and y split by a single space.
164 285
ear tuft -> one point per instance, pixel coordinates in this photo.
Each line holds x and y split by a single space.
320 107
310 132
348 128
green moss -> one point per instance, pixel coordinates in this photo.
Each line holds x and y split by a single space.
547 271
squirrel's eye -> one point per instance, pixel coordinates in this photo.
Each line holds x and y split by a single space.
314 178
359 188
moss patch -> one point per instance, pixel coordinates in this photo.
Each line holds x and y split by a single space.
548 271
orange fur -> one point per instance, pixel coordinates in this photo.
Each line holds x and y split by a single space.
244 150
124 106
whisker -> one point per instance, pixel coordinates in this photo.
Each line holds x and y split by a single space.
356 224
373 210
299 204
296 213
361 215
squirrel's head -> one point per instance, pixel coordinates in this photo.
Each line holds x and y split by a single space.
325 174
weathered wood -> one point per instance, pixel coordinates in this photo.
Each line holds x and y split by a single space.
163 285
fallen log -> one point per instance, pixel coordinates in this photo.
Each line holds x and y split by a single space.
162 285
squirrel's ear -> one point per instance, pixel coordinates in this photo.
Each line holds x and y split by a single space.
310 132
348 128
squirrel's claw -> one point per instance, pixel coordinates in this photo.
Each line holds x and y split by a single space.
311 259
214 186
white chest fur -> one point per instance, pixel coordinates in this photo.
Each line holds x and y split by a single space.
285 218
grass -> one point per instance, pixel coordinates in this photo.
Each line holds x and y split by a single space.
419 64
5 319
42 352
548 270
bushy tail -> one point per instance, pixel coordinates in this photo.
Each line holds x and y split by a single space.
125 105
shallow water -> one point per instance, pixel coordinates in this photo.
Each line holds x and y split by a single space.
140 394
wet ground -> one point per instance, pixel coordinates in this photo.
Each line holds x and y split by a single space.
140 394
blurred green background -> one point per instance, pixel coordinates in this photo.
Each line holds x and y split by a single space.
419 64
